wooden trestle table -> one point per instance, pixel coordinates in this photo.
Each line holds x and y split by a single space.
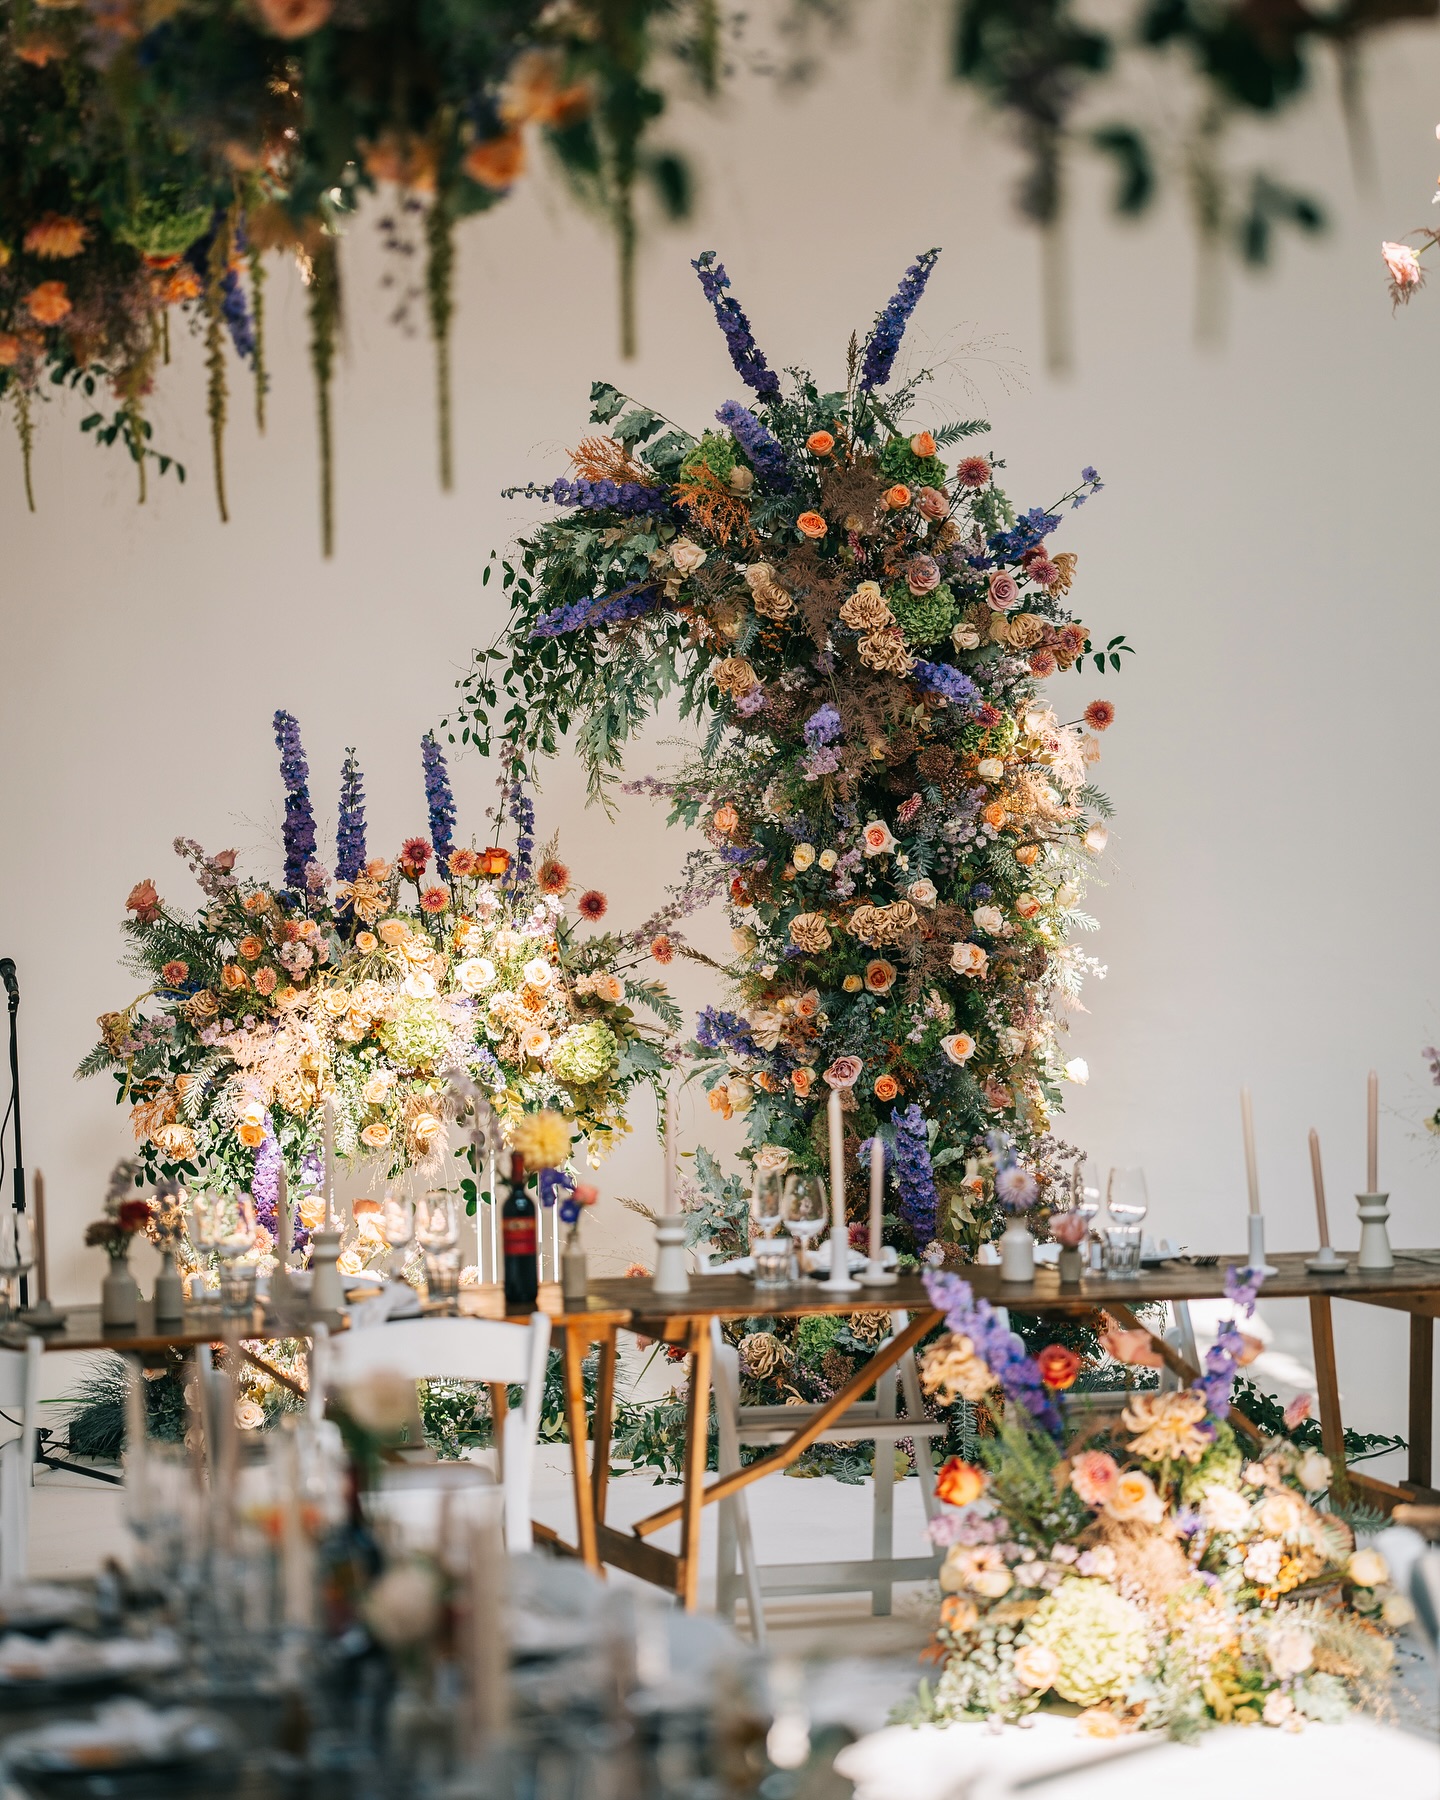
1413 1287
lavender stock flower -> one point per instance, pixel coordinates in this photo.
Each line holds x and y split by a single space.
438 798
763 450
299 829
890 323
823 726
745 353
350 828
620 496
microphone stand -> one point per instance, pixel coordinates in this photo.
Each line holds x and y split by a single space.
12 988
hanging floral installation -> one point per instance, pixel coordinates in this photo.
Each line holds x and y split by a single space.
375 989
151 156
900 814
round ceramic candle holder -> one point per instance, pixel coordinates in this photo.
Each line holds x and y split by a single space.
671 1275
1326 1261
1257 1246
1376 1256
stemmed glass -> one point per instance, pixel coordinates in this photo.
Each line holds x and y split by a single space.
397 1220
438 1230
1126 1202
214 1234
17 1255
767 1202
806 1210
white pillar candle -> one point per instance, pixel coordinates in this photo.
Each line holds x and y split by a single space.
1372 1134
671 1203
1319 1179
1252 1176
837 1162
877 1196
329 1165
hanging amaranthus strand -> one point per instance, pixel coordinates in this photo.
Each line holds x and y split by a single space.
215 358
324 327
257 311
25 429
440 294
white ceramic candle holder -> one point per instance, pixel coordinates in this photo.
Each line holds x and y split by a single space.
838 1280
1376 1256
671 1275
875 1274
1327 1260
327 1290
1257 1246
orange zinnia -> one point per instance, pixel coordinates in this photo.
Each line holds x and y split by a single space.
811 525
55 237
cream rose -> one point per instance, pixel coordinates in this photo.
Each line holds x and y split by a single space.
990 768
686 555
392 931
249 1415
1368 1568
538 974
878 838
959 1046
1222 1509
1077 1070
803 855
1134 1497
1291 1651
375 1136
419 984
1027 905
965 636
1095 839
534 1040
1313 1471
828 860
1036 1666
989 919
475 974
922 892
968 959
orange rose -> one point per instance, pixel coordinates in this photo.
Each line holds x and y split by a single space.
993 815
922 444
720 1101
251 1135
250 948
820 443
234 977
1058 1366
897 496
726 818
49 303
365 942
1028 855
494 861
497 162
10 348
957 1483
811 525
886 1088
802 1080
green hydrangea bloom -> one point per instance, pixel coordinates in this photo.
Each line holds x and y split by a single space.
1097 1635
585 1054
418 1037
715 451
161 224
924 618
898 462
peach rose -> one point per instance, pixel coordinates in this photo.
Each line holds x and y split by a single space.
820 443
811 525
802 1080
144 902
726 818
232 976
294 18
1027 905
959 1046
880 976
393 931
897 496
922 444
886 1088
930 503
844 1072
1134 1497
250 1134
968 959
1004 592
1093 1475
1036 1666
365 942
251 948
376 1136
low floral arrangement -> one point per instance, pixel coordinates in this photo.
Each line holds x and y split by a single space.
900 812
395 991
1154 1572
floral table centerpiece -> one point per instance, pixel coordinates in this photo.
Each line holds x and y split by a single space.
1158 1575
387 993
901 817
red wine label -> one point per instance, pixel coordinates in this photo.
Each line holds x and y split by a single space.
518 1236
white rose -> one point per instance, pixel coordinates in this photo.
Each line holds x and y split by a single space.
743 940
828 860
404 1606
772 1156
1077 1070
534 1040
1368 1568
740 1094
1313 1471
1036 1666
803 855
1290 1650
475 974
968 959
249 1415
988 918
879 840
1066 894
922 892
1095 839
686 556
765 1027
538 974
990 768
1397 1611
419 985
741 479
1222 1509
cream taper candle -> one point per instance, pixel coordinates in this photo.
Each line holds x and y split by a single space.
329 1164
877 1196
1372 1134
1252 1175
671 1205
837 1162
1317 1176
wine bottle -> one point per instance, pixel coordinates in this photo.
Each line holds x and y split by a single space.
520 1240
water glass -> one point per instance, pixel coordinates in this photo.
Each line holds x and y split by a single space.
442 1279
237 1288
774 1261
1126 1202
1122 1252
767 1201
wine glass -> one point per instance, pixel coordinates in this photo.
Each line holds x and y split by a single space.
806 1209
397 1220
1126 1203
438 1229
767 1202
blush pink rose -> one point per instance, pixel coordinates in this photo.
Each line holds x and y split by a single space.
844 1072
930 503
1004 592
922 574
1093 1475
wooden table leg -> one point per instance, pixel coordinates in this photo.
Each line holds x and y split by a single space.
1322 1337
499 1407
577 1424
1422 1396
697 1446
604 1424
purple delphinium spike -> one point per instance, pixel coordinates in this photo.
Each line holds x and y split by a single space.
762 449
438 798
299 814
914 1177
745 353
350 829
999 1348
233 307
621 496
948 682
890 323
600 609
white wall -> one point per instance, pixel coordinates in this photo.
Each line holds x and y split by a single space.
1262 540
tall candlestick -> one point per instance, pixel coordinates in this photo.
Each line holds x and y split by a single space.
37 1208
671 1204
329 1165
1372 1134
877 1196
1318 1176
837 1163
1252 1176
283 1230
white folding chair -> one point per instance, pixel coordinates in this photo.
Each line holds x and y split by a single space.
481 1350
878 1420
20 1405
